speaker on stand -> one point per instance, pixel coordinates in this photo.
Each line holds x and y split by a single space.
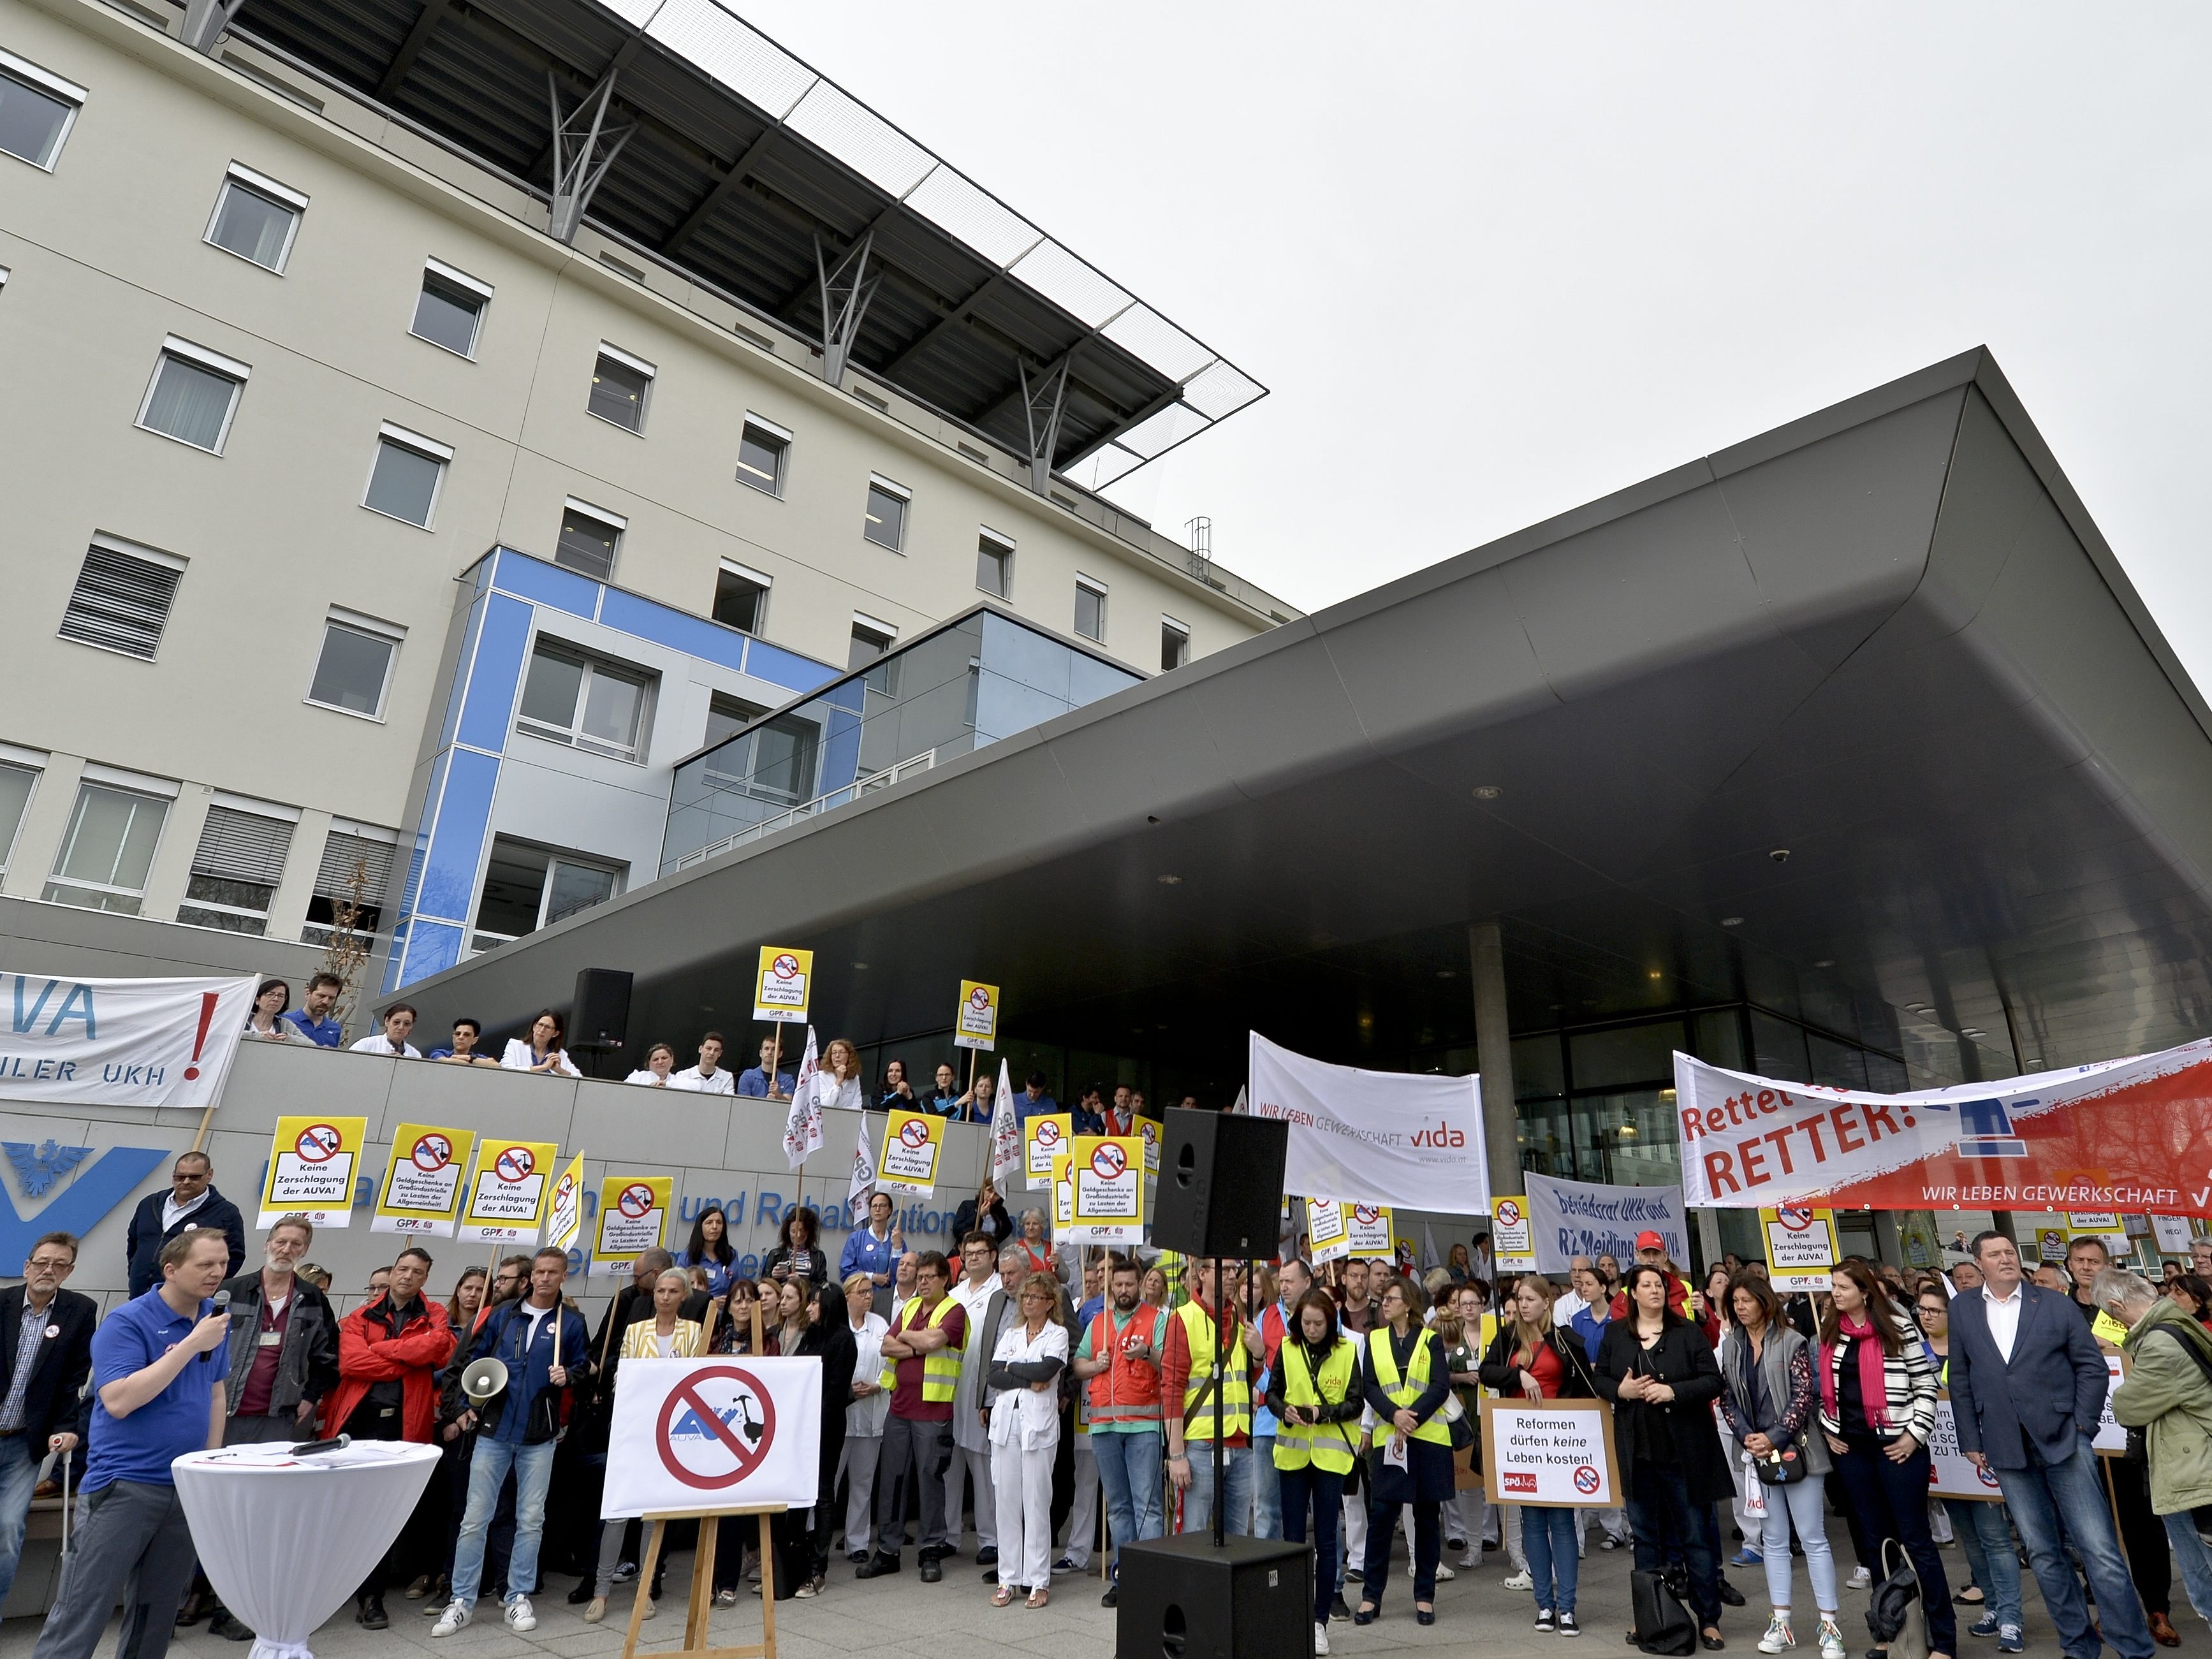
599 1023
1207 1596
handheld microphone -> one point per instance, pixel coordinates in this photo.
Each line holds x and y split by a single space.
308 1448
221 1306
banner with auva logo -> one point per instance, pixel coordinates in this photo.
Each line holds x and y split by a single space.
120 1041
1409 1139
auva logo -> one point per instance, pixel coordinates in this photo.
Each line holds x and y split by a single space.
81 1207
1442 1135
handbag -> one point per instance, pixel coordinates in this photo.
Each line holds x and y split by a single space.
1663 1623
1890 1608
1784 1467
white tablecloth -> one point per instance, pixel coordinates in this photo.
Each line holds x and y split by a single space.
285 1540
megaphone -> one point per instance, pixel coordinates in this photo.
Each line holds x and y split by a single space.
484 1379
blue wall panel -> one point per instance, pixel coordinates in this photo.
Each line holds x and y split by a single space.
678 630
501 643
547 584
449 875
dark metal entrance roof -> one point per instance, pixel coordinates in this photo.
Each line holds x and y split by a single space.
1886 639
741 159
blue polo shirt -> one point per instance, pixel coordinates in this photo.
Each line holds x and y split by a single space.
1043 1106
753 1082
325 1033
140 1447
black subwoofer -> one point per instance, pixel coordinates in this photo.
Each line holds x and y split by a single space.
1221 1185
1183 1598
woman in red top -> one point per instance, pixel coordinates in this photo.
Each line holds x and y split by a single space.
1532 1358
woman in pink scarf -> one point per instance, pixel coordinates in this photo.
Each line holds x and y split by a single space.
1877 1411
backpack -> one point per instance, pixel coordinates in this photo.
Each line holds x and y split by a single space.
1663 1623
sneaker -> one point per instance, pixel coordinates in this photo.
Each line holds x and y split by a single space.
1985 1625
1338 1610
1469 1562
520 1615
2008 1639
1860 1579
1609 1543
457 1613
1778 1638
1518 1581
1112 1598
1544 1625
1321 1640
1444 1574
1747 1556
624 1571
1353 1575
1064 1565
726 1596
812 1588
1831 1640
1568 1626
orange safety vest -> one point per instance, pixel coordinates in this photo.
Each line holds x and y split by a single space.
1127 1391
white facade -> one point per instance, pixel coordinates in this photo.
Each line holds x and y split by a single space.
245 478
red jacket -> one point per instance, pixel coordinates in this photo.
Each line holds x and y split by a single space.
368 1353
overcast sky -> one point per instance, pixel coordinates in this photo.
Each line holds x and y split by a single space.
1493 262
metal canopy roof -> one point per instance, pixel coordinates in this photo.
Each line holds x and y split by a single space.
740 160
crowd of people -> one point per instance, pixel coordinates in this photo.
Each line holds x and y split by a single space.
1021 1394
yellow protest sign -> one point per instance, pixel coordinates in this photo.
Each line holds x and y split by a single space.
912 1142
422 1190
976 1024
566 1219
1328 1230
311 1165
1044 1138
1800 1246
1107 1204
1368 1230
781 990
1149 1132
1512 1240
1063 1194
633 1220
508 1190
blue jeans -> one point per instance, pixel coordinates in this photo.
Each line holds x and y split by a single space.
1198 1497
2194 1560
1324 1491
1553 1543
1129 1475
2042 1497
1266 1502
1803 1504
488 1467
1986 1536
19 1472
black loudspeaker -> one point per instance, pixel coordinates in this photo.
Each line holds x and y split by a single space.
601 1016
1221 1185
1182 1598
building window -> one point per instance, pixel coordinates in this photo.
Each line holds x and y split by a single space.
355 665
17 784
1090 609
887 505
1175 644
236 871
36 111
193 395
619 385
741 598
994 565
594 706
109 848
589 537
404 483
256 218
871 638
349 885
449 311
762 447
527 888
724 714
122 598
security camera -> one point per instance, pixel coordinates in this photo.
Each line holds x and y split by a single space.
1780 855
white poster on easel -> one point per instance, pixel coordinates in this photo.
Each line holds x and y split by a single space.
703 1436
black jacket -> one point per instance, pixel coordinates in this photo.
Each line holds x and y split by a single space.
142 1243
59 1369
1499 1372
965 1221
1681 1432
307 1363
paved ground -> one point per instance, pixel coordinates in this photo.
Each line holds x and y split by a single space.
954 1620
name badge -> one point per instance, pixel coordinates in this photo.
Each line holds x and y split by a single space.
271 1339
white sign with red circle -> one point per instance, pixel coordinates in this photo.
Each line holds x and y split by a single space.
507 1196
1044 1138
975 1026
912 1142
1107 1204
1512 1241
1368 1227
421 1191
311 1169
699 1437
1553 1454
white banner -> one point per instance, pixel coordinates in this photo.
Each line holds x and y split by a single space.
703 1436
1409 1139
1570 1218
120 1041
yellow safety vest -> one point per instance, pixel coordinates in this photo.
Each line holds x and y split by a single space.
1325 1444
1235 1384
1403 1391
940 1367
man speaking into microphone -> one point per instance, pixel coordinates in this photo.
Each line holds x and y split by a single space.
157 1394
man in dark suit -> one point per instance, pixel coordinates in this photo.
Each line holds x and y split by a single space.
2027 1389
191 1201
46 1354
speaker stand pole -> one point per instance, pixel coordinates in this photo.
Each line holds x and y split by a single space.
1220 1385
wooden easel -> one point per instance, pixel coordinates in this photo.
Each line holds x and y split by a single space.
703 1583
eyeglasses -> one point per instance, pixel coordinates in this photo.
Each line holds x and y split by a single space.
54 1264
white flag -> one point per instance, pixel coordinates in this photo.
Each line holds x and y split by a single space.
1006 1161
1431 1256
864 1172
1243 1108
802 1129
